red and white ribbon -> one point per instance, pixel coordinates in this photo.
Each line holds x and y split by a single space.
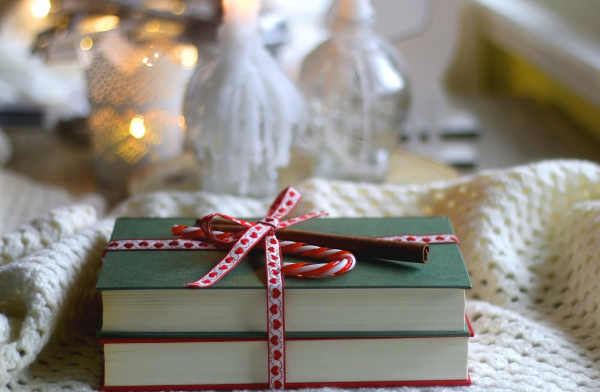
428 238
265 228
275 313
162 244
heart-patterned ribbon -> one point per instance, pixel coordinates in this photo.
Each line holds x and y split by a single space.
264 229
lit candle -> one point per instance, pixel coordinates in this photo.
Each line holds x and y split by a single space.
356 10
242 110
241 10
240 25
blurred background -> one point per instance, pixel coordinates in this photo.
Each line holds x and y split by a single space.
92 91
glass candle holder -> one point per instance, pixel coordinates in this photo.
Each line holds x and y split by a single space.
136 92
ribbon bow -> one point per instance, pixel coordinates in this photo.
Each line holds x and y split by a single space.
264 229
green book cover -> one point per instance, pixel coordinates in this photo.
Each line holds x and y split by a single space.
163 269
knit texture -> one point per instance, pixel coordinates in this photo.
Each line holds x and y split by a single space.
529 235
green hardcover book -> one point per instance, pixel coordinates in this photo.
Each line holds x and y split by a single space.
144 296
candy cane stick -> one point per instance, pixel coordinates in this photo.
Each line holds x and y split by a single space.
338 261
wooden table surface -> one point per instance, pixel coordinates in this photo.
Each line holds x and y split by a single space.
514 131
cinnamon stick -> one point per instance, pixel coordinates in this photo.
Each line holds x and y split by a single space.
413 252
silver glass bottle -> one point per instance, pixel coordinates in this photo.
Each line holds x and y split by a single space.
357 95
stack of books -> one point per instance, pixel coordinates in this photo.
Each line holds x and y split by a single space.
385 323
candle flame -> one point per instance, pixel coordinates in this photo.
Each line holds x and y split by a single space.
243 8
41 8
137 128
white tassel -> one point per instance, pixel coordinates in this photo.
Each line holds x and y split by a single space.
251 107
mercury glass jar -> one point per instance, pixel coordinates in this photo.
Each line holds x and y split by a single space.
357 94
135 90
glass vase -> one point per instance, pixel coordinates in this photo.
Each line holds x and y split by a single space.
357 94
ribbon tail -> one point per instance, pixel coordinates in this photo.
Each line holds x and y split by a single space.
300 219
284 203
275 313
233 257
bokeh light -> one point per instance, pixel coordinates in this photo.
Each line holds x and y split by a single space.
41 8
86 43
137 128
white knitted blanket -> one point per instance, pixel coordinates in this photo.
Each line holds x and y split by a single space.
530 237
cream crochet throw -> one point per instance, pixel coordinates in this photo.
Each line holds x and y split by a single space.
530 237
